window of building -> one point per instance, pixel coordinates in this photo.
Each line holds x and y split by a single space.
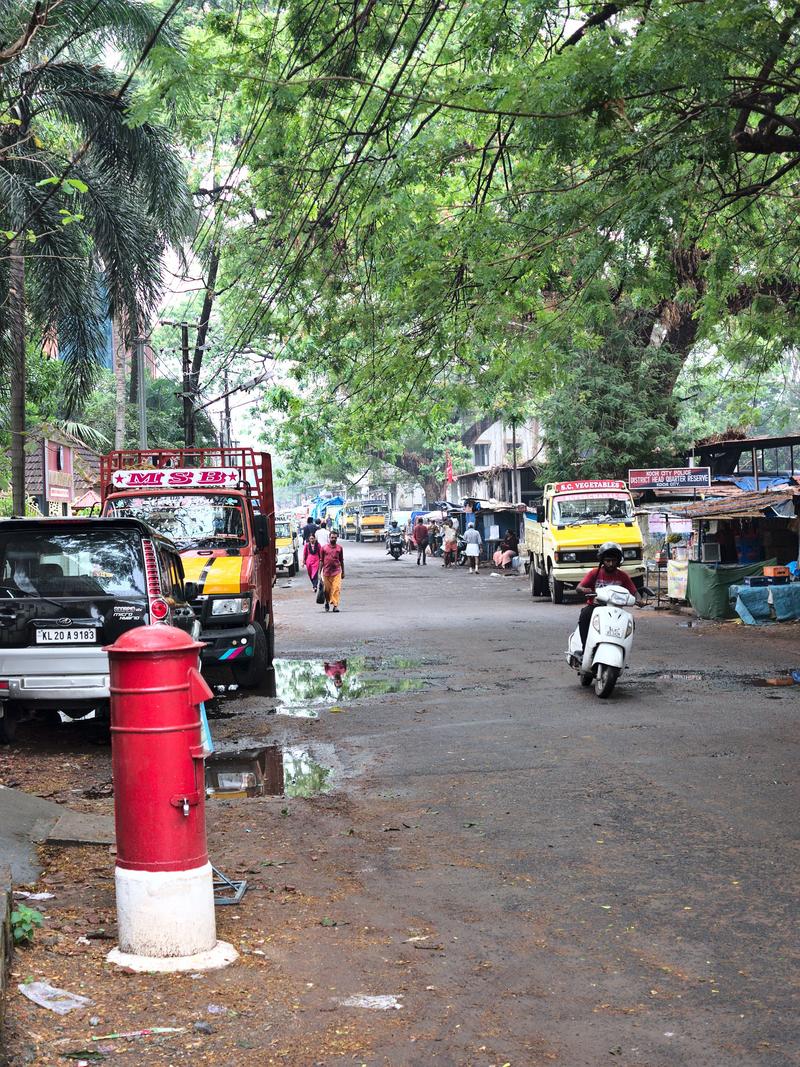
481 454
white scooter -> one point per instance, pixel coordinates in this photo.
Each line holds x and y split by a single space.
609 642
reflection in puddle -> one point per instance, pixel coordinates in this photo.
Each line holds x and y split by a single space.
275 770
301 682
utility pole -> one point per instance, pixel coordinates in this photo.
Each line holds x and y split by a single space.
141 395
515 491
227 424
188 399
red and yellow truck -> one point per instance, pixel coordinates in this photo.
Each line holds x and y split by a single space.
217 506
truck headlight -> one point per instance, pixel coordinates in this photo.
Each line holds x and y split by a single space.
235 605
632 553
567 557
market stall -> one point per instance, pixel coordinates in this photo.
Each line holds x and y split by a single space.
735 537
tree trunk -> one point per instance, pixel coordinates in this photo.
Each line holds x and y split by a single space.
120 375
432 486
16 299
205 320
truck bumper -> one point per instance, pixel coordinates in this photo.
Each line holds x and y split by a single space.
571 574
285 561
224 644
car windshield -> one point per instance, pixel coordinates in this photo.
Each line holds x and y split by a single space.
199 521
73 563
282 529
580 510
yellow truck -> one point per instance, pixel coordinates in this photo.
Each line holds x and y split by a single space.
348 522
373 515
563 535
286 559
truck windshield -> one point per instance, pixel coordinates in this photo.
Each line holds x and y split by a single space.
76 563
373 509
199 521
580 510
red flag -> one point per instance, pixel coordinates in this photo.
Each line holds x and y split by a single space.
448 470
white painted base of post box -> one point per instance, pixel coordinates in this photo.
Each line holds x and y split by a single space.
219 956
166 918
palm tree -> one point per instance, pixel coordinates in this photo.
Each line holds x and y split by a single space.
89 201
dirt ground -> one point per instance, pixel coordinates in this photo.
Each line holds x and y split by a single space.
531 875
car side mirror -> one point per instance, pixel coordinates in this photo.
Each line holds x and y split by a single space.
540 514
191 591
261 530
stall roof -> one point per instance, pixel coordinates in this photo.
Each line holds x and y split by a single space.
738 505
494 505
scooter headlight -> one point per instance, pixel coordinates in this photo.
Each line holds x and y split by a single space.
630 627
596 623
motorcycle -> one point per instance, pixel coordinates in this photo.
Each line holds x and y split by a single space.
396 545
609 642
461 553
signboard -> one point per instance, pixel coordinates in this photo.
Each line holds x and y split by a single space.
177 478
593 485
58 484
670 478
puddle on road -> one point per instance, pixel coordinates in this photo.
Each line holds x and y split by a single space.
301 687
274 771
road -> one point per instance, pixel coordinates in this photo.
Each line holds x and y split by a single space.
537 876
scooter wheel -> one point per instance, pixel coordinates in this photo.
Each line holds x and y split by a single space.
605 680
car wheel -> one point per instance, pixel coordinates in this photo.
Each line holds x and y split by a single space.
251 673
8 728
556 588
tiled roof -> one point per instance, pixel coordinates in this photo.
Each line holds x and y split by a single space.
736 504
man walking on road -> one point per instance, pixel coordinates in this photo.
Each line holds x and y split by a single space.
309 528
332 561
420 536
323 536
474 541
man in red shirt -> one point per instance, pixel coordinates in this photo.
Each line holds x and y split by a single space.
608 573
332 564
420 536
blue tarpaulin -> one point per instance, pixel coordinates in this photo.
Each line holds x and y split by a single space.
748 484
752 604
755 604
786 601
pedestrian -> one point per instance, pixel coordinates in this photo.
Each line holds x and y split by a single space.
506 550
309 528
473 550
449 543
323 536
332 559
311 559
420 536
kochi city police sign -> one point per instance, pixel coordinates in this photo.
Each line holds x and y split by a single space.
176 477
670 478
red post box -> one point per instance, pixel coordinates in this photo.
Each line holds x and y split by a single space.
164 882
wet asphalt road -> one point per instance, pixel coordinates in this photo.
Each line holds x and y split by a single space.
614 881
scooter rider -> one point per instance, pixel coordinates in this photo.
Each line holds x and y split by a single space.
609 572
393 531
